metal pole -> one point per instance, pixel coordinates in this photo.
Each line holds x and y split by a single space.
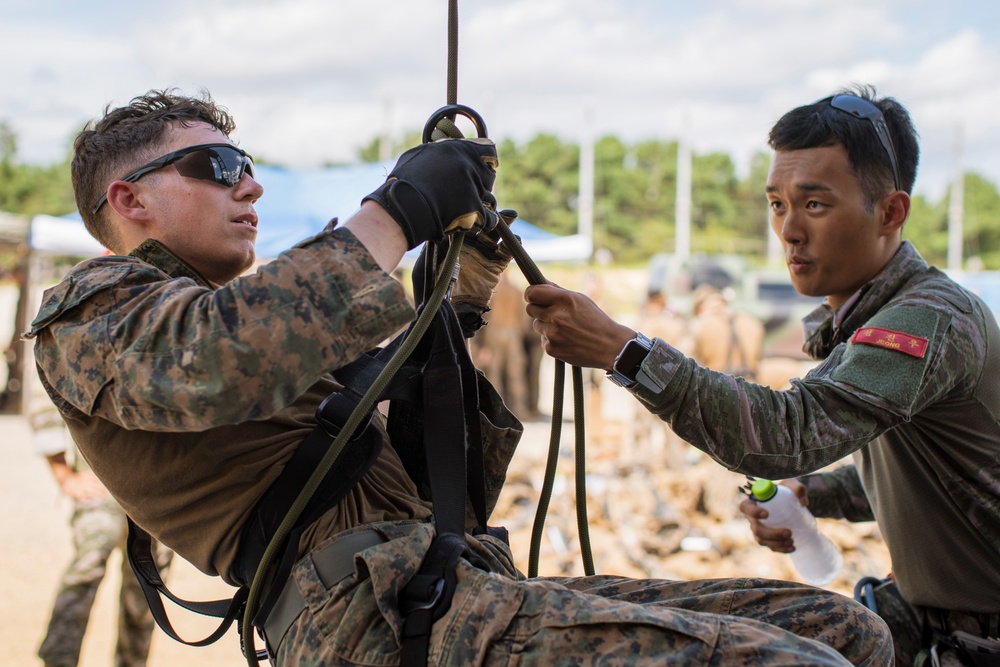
585 208
682 206
956 206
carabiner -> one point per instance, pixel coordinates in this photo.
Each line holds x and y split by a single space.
449 112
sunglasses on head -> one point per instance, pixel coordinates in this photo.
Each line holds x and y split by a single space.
862 108
224 164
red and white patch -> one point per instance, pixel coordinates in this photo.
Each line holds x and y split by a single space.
915 346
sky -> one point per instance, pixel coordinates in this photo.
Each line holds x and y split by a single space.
312 81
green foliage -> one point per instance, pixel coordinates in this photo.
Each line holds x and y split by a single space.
29 189
981 234
927 229
373 151
540 181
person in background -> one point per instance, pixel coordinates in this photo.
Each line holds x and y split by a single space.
909 384
501 348
98 528
724 339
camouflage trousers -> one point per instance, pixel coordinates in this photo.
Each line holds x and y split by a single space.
497 618
914 627
98 529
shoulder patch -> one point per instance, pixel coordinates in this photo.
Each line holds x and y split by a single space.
871 361
915 346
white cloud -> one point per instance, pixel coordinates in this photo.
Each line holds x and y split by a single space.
310 80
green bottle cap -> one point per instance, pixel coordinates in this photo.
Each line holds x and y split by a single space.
763 489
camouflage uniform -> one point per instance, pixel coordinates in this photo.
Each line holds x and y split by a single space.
219 386
98 527
728 341
910 385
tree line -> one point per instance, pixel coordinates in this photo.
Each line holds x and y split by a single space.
634 197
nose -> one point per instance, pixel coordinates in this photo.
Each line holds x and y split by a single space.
248 187
789 230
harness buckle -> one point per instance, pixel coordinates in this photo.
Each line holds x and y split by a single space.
421 598
333 413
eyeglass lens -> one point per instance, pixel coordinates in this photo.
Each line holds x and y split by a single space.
222 165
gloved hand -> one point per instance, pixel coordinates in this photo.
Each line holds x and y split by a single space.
481 261
438 187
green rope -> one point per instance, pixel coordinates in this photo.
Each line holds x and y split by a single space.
581 474
445 128
452 96
548 482
534 276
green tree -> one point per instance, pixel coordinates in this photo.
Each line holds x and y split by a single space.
540 180
373 150
927 229
980 231
29 189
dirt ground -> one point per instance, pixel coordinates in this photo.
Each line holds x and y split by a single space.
34 550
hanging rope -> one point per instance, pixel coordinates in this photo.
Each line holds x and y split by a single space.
445 127
452 96
534 276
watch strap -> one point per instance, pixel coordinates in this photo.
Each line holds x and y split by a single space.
626 377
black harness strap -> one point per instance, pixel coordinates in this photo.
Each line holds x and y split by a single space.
353 462
431 434
448 434
139 546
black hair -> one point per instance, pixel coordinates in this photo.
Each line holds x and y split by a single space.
819 124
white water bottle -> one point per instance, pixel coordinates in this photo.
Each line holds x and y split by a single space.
816 558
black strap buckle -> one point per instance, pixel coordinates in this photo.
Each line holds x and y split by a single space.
423 593
333 413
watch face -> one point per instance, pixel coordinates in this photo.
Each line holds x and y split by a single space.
631 356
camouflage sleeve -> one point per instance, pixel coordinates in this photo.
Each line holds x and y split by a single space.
131 345
754 430
838 494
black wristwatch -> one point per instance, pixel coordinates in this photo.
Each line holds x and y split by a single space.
626 367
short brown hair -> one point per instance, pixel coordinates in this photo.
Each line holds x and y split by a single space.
127 137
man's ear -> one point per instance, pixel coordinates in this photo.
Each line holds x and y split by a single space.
127 201
896 211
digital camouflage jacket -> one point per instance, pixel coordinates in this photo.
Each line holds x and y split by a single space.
910 386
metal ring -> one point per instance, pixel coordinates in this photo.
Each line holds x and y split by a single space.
450 111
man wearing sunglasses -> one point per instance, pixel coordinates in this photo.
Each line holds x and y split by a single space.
189 387
909 385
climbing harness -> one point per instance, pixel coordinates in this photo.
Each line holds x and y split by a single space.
425 373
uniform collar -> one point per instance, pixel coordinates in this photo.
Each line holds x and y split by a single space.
825 328
153 252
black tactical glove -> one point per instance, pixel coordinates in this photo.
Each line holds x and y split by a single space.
438 187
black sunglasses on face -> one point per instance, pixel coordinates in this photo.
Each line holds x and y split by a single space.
224 164
862 108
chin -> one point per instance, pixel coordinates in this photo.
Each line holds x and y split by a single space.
806 289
